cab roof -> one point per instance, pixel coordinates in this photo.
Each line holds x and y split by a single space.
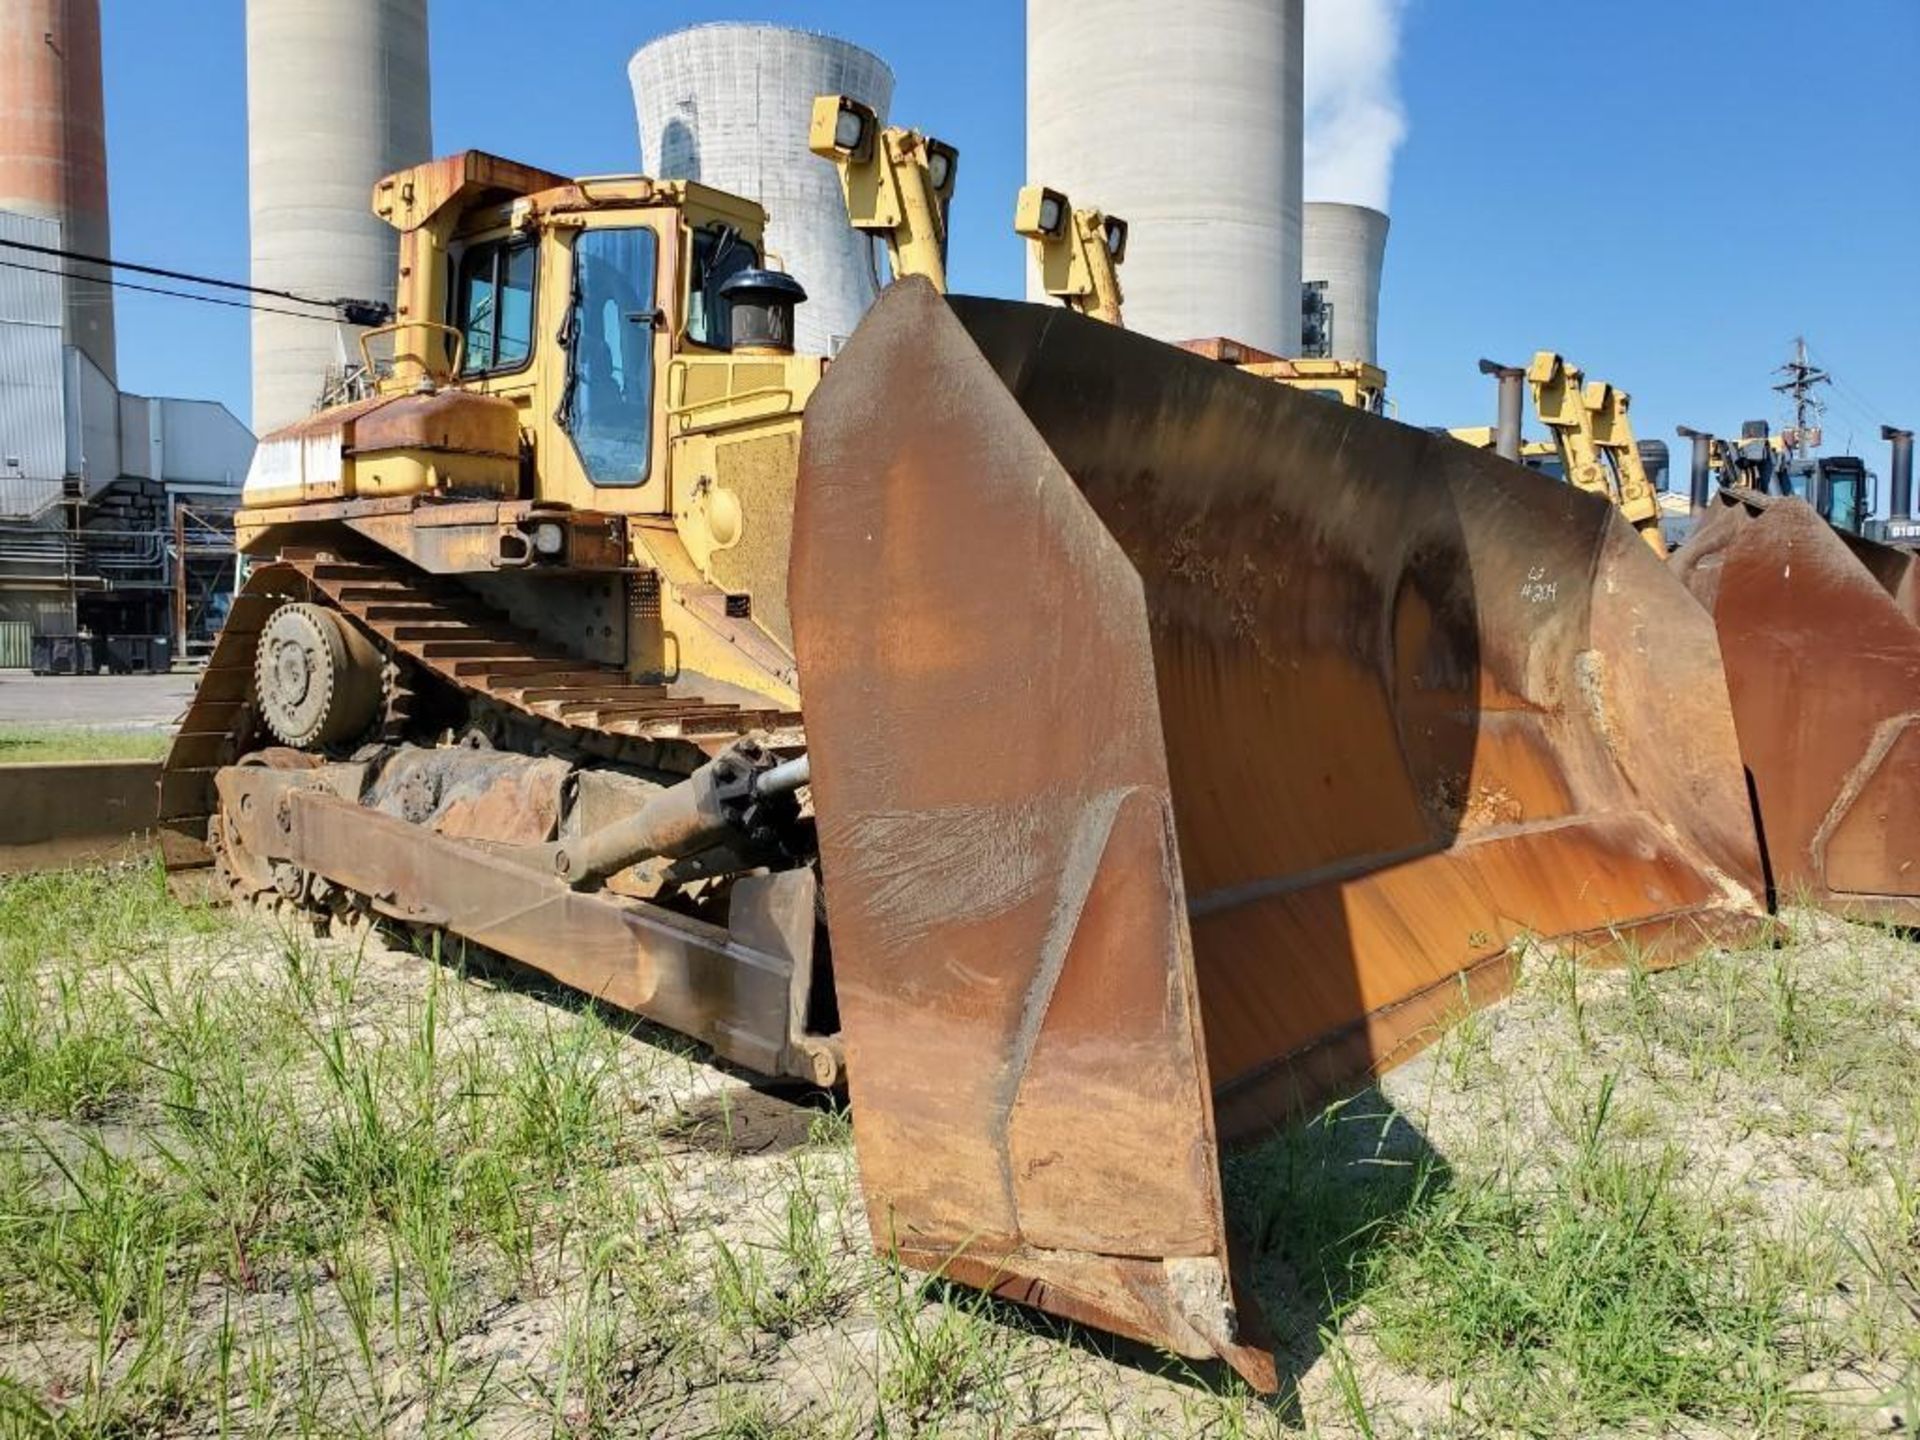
411 198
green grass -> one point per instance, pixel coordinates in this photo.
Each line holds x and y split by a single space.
20 744
252 1183
69 1045
1667 1199
1599 1294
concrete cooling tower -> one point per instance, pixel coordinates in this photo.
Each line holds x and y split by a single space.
1344 247
337 96
728 105
1186 121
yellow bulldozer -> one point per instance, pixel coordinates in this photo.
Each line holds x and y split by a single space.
1086 751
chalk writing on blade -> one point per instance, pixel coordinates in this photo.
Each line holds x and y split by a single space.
1537 588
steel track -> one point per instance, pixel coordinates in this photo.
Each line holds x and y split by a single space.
435 627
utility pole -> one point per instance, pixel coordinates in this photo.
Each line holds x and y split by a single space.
1802 376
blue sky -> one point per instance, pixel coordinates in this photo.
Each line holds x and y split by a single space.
1669 192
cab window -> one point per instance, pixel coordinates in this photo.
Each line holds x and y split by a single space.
719 253
493 305
606 405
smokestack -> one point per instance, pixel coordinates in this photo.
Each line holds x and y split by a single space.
1700 476
1188 120
336 98
1506 435
53 150
1900 486
1345 246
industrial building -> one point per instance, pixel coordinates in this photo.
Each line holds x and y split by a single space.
337 96
728 105
1208 171
112 506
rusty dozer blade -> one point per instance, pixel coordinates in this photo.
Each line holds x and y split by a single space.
1184 745
1821 636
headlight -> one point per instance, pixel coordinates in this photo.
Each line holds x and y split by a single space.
1116 238
549 538
941 161
1051 211
850 129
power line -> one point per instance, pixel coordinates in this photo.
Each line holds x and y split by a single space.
1854 398
176 294
165 274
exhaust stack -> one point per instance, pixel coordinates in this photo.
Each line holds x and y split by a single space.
1700 475
1506 442
1900 487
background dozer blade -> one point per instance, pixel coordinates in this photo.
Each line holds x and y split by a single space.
1179 740
66 813
1823 666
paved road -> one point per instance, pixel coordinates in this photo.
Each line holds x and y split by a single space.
119 702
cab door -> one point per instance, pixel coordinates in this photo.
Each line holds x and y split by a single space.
608 422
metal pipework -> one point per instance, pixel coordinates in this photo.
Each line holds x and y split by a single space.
710 806
1900 486
1506 435
1700 475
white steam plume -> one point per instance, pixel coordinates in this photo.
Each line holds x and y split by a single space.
1354 119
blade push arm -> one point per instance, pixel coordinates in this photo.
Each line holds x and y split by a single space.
1595 439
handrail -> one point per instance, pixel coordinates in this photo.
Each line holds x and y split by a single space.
459 346
681 412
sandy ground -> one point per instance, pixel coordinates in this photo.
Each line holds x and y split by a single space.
130 702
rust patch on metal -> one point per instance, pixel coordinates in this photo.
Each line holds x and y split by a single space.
1823 666
448 421
1097 637
492 795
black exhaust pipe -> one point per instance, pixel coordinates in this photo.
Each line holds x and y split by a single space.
1900 486
1700 477
1506 435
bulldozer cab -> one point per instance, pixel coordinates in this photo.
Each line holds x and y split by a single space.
597 309
584 380
1840 487
590 305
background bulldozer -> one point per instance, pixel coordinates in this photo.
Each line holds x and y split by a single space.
1175 745
1819 630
